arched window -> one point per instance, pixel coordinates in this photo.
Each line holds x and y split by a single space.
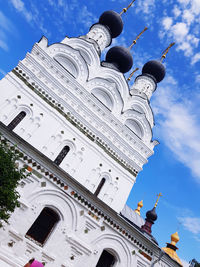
106 259
61 155
43 225
99 186
16 120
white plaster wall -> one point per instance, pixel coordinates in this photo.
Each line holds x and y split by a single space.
67 239
48 131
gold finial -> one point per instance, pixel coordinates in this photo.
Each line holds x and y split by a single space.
159 195
129 78
166 51
140 205
171 248
134 42
174 238
126 8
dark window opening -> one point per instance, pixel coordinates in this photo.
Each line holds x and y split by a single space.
61 155
16 120
43 225
106 260
101 184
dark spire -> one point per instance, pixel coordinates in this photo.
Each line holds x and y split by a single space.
155 69
121 57
113 21
151 217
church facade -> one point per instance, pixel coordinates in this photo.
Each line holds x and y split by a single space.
84 135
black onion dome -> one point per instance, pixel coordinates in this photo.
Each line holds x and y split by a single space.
151 215
154 68
121 57
113 21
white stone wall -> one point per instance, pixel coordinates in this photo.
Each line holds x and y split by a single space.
77 234
49 132
79 237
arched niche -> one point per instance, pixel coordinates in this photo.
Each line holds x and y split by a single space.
116 78
87 50
58 201
104 97
138 123
107 93
138 108
142 105
116 246
68 64
71 60
135 126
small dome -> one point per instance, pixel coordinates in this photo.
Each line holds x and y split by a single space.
113 21
121 57
151 215
154 68
174 238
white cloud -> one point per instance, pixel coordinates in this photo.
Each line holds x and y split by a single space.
185 30
191 224
5 23
195 6
197 79
2 72
18 4
188 16
3 45
178 125
86 17
176 11
179 31
6 27
184 2
146 8
186 47
20 7
167 23
195 58
32 17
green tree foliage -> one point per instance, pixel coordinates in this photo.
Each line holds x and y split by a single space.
10 176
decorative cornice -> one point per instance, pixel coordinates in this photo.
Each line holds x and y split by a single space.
97 213
87 132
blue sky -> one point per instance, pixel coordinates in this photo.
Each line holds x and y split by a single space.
174 169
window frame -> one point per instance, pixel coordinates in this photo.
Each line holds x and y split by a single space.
41 244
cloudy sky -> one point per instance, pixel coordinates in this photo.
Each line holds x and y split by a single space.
174 169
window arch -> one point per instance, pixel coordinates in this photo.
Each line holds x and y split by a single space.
43 225
16 120
61 155
101 184
106 259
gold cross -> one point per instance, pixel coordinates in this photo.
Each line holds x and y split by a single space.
126 8
134 41
159 195
166 51
129 78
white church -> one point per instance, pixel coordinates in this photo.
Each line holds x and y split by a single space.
85 135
